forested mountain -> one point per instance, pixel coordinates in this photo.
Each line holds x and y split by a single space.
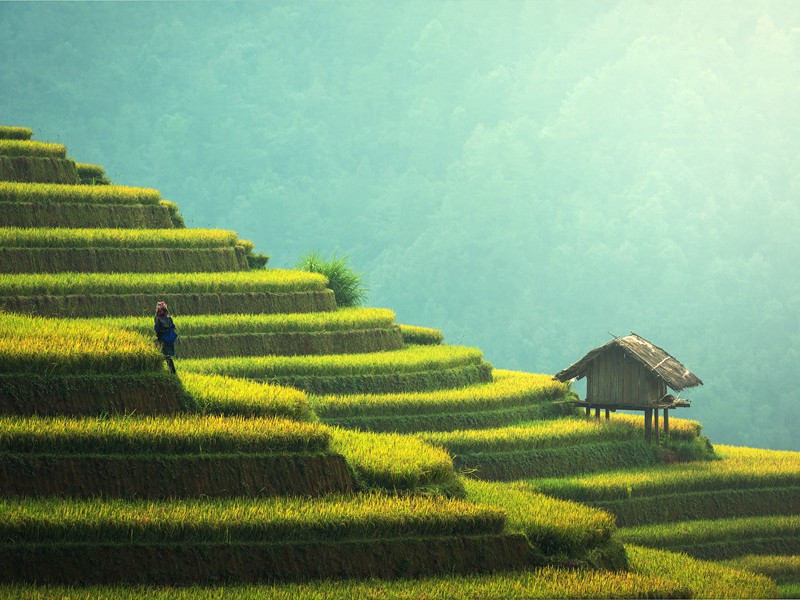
526 176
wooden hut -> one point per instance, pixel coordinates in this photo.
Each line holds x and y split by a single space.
630 373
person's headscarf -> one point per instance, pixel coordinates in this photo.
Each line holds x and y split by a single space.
161 309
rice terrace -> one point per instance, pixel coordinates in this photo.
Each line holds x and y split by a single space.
312 446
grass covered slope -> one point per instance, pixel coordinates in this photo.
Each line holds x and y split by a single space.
744 482
511 396
718 539
121 294
8 132
13 237
410 369
349 330
19 147
77 194
84 216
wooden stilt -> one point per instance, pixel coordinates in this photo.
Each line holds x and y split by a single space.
597 413
648 423
666 421
655 425
588 412
607 414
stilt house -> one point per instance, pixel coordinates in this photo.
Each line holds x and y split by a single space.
630 373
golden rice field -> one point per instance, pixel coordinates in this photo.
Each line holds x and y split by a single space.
683 534
342 319
279 519
62 346
552 525
781 568
739 467
410 359
53 237
509 389
30 148
183 434
60 284
15 133
77 194
229 396
395 462
414 334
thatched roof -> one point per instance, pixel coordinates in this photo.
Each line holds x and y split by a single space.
666 367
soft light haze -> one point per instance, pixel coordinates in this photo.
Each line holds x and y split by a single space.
526 176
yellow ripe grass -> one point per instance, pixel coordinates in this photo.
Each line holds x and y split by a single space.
414 334
60 284
38 345
410 359
14 237
509 388
393 461
77 194
31 148
215 394
280 519
536 584
739 468
553 525
781 568
185 434
339 320
8 132
705 579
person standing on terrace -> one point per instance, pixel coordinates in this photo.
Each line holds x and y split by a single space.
165 334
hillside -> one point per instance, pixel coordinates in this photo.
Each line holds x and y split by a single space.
306 448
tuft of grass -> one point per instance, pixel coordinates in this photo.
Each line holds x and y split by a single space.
92 174
62 284
347 285
76 194
61 346
187 434
19 147
218 395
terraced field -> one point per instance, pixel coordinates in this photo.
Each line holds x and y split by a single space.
301 441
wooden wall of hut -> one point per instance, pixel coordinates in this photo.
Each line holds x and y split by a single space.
614 377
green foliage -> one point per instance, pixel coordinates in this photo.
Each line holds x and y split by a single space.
554 527
413 334
13 237
218 395
399 463
39 214
347 284
77 194
270 280
60 346
15 133
705 579
192 434
31 148
243 520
